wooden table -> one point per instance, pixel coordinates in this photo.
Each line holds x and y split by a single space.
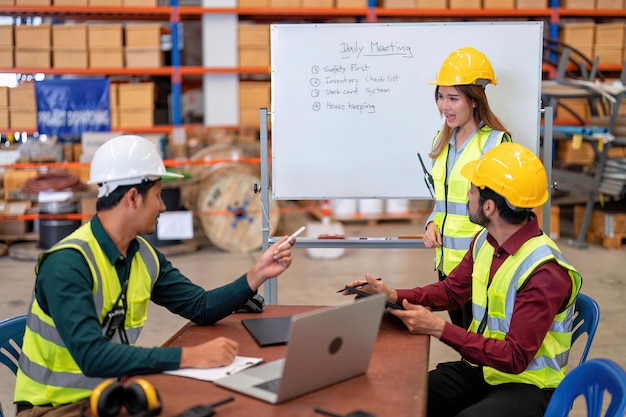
394 385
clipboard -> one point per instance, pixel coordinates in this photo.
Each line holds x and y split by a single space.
268 331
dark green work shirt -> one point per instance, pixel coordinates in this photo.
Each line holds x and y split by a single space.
64 291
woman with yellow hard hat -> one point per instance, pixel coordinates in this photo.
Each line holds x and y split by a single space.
470 129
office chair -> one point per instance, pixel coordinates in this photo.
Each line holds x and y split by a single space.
11 336
593 379
586 319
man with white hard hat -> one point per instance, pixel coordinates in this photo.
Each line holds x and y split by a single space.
92 291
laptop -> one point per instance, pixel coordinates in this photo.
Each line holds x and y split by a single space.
325 346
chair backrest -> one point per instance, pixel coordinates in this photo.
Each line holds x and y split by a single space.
11 336
586 319
593 379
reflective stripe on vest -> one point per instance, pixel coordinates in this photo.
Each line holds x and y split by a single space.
497 299
452 216
47 373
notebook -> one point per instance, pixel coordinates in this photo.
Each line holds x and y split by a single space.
268 331
324 347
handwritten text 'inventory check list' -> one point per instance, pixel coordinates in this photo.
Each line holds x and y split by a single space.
350 85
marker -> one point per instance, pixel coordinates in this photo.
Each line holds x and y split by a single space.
296 233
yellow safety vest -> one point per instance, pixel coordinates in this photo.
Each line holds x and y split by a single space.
492 308
47 371
451 213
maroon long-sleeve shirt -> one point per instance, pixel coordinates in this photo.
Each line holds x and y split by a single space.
545 293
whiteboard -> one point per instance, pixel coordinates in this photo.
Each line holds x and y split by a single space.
351 105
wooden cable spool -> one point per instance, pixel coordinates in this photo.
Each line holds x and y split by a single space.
198 172
231 214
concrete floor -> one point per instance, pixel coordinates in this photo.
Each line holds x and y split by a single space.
314 282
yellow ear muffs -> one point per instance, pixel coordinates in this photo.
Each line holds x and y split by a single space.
107 399
140 395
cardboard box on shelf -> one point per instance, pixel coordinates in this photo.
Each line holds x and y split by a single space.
105 3
4 118
255 93
6 35
70 58
136 95
139 3
317 4
609 54
254 34
106 57
136 117
68 36
431 4
109 35
4 96
578 4
35 37
7 2
464 4
143 34
23 95
113 94
609 34
248 115
610 4
14 227
254 56
70 2
606 227
143 57
398 4
32 2
7 58
284 3
32 58
531 4
578 33
14 179
23 119
555 217
350 4
498 4
254 3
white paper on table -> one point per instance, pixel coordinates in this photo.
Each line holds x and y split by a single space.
211 374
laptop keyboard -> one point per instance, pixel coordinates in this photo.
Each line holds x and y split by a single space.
271 385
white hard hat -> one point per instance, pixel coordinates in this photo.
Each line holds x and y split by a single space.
126 160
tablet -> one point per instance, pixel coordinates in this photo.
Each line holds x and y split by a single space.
367 294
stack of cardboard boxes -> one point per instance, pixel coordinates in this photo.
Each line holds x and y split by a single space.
253 95
135 104
22 107
106 45
69 46
143 45
32 46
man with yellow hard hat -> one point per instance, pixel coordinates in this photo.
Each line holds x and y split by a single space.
522 291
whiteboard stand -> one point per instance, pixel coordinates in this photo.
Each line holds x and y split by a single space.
548 120
270 288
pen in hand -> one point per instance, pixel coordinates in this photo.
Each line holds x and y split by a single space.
357 285
293 236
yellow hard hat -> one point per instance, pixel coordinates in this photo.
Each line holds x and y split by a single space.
513 171
465 66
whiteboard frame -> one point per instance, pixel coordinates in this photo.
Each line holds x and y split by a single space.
324 165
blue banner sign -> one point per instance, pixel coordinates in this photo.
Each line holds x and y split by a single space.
69 107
